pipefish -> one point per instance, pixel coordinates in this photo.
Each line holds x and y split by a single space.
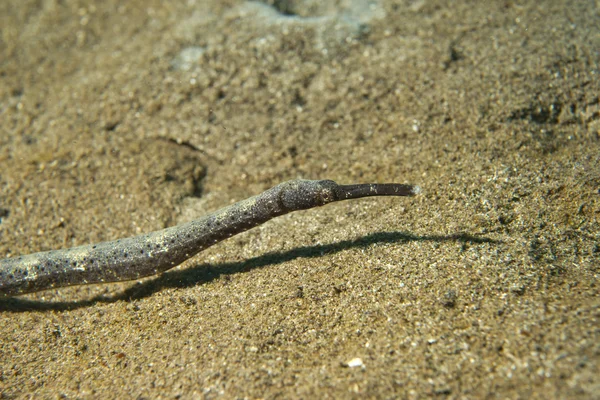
159 251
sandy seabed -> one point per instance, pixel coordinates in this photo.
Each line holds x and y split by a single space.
119 118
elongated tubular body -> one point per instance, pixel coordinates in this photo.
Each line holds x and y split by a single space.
155 252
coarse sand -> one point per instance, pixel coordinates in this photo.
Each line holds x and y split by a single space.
123 117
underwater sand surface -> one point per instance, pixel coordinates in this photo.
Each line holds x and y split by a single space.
119 118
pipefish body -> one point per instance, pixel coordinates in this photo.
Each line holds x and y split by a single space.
156 252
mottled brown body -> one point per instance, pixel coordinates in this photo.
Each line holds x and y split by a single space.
155 252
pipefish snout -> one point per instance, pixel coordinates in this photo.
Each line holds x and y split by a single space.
155 252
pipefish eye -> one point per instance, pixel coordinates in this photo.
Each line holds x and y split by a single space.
326 196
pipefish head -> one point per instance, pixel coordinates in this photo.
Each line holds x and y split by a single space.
304 194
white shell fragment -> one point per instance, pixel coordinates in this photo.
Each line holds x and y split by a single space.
355 362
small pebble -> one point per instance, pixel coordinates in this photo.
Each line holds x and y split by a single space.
355 362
